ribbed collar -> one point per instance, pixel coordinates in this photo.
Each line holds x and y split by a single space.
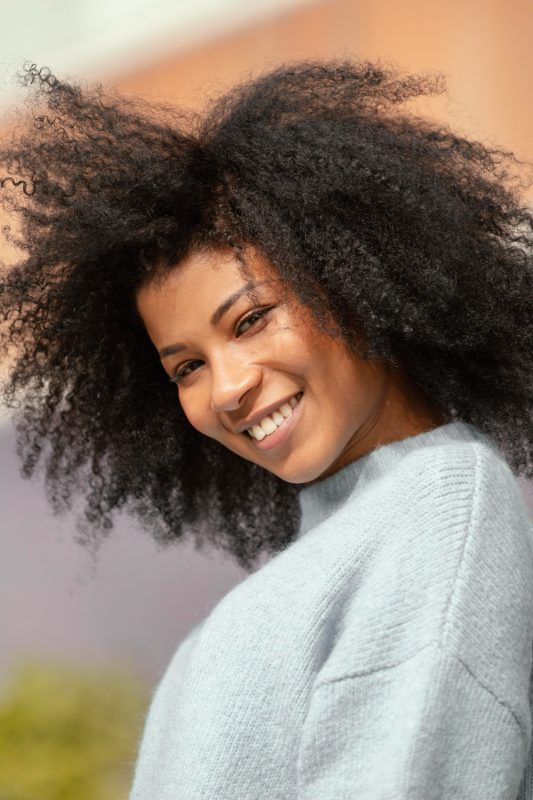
319 500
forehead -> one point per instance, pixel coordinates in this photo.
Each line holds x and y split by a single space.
192 290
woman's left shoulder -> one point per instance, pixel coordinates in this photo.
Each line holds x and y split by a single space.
477 464
467 486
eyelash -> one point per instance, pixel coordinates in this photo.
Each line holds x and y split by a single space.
255 315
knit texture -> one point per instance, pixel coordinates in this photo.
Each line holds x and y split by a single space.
385 654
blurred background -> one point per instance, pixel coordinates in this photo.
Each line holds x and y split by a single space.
82 642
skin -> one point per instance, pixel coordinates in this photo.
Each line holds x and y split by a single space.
349 407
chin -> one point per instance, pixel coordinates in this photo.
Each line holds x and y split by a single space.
302 473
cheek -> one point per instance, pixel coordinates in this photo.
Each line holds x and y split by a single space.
199 413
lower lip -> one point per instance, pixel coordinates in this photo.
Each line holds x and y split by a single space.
279 435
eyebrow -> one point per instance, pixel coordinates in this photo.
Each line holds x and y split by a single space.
218 313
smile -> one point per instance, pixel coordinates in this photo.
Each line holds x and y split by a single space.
275 427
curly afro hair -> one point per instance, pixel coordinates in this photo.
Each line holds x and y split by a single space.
408 233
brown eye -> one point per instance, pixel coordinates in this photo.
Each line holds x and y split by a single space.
182 372
251 319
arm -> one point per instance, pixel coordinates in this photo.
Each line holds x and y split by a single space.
425 729
425 695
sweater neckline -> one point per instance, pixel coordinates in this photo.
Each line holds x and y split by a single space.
319 500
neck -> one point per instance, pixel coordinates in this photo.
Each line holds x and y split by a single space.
404 410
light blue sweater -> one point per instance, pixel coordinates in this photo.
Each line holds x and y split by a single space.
385 654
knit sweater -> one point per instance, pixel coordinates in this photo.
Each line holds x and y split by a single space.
384 654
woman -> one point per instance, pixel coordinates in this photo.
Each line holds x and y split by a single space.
298 325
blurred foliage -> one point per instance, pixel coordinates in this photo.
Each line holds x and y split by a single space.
69 733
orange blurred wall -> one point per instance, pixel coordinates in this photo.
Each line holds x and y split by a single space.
483 46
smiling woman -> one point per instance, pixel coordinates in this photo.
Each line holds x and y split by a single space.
260 378
299 324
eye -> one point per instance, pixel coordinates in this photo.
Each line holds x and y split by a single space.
182 372
251 319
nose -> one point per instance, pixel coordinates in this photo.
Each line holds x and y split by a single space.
231 380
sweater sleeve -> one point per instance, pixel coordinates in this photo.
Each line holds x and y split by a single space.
425 729
425 694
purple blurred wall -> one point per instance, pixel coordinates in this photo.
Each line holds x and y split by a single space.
132 608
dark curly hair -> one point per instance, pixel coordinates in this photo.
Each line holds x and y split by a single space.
407 233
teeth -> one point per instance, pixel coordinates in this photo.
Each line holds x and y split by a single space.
268 425
272 421
258 432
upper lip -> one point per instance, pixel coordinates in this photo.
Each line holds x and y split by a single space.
257 417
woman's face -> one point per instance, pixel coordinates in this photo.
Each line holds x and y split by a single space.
237 363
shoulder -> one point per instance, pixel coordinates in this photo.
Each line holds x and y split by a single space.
453 568
434 496
468 483
458 508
